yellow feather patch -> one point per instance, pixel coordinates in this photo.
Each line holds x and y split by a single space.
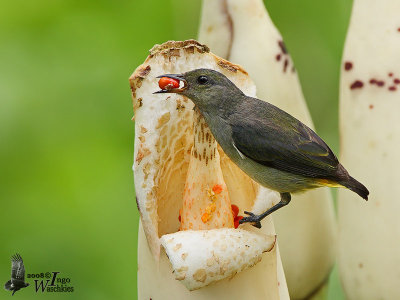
326 182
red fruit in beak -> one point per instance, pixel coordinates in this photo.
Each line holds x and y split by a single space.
166 83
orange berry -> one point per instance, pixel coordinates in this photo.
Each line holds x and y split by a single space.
235 210
217 188
205 217
166 83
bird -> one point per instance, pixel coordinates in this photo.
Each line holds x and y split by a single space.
271 146
17 281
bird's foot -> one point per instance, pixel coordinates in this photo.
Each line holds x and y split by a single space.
252 218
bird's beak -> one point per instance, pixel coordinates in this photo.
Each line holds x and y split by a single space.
182 84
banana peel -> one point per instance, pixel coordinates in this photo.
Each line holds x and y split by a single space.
173 154
369 253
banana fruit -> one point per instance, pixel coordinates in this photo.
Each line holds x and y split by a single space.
185 186
242 31
369 252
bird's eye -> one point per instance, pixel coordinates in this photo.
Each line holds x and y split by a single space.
202 79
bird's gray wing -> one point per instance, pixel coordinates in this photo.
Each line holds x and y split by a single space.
17 268
278 140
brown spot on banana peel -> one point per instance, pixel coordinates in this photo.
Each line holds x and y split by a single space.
137 77
143 72
179 106
146 170
282 46
142 153
356 85
143 129
285 65
378 83
200 275
177 247
163 120
137 104
137 203
284 54
348 65
181 276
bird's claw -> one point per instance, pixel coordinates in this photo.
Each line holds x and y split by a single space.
252 218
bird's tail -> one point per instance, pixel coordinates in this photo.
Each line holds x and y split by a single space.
356 187
7 286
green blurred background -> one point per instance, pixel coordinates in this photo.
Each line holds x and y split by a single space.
66 135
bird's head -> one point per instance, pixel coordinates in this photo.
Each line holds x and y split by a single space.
205 87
